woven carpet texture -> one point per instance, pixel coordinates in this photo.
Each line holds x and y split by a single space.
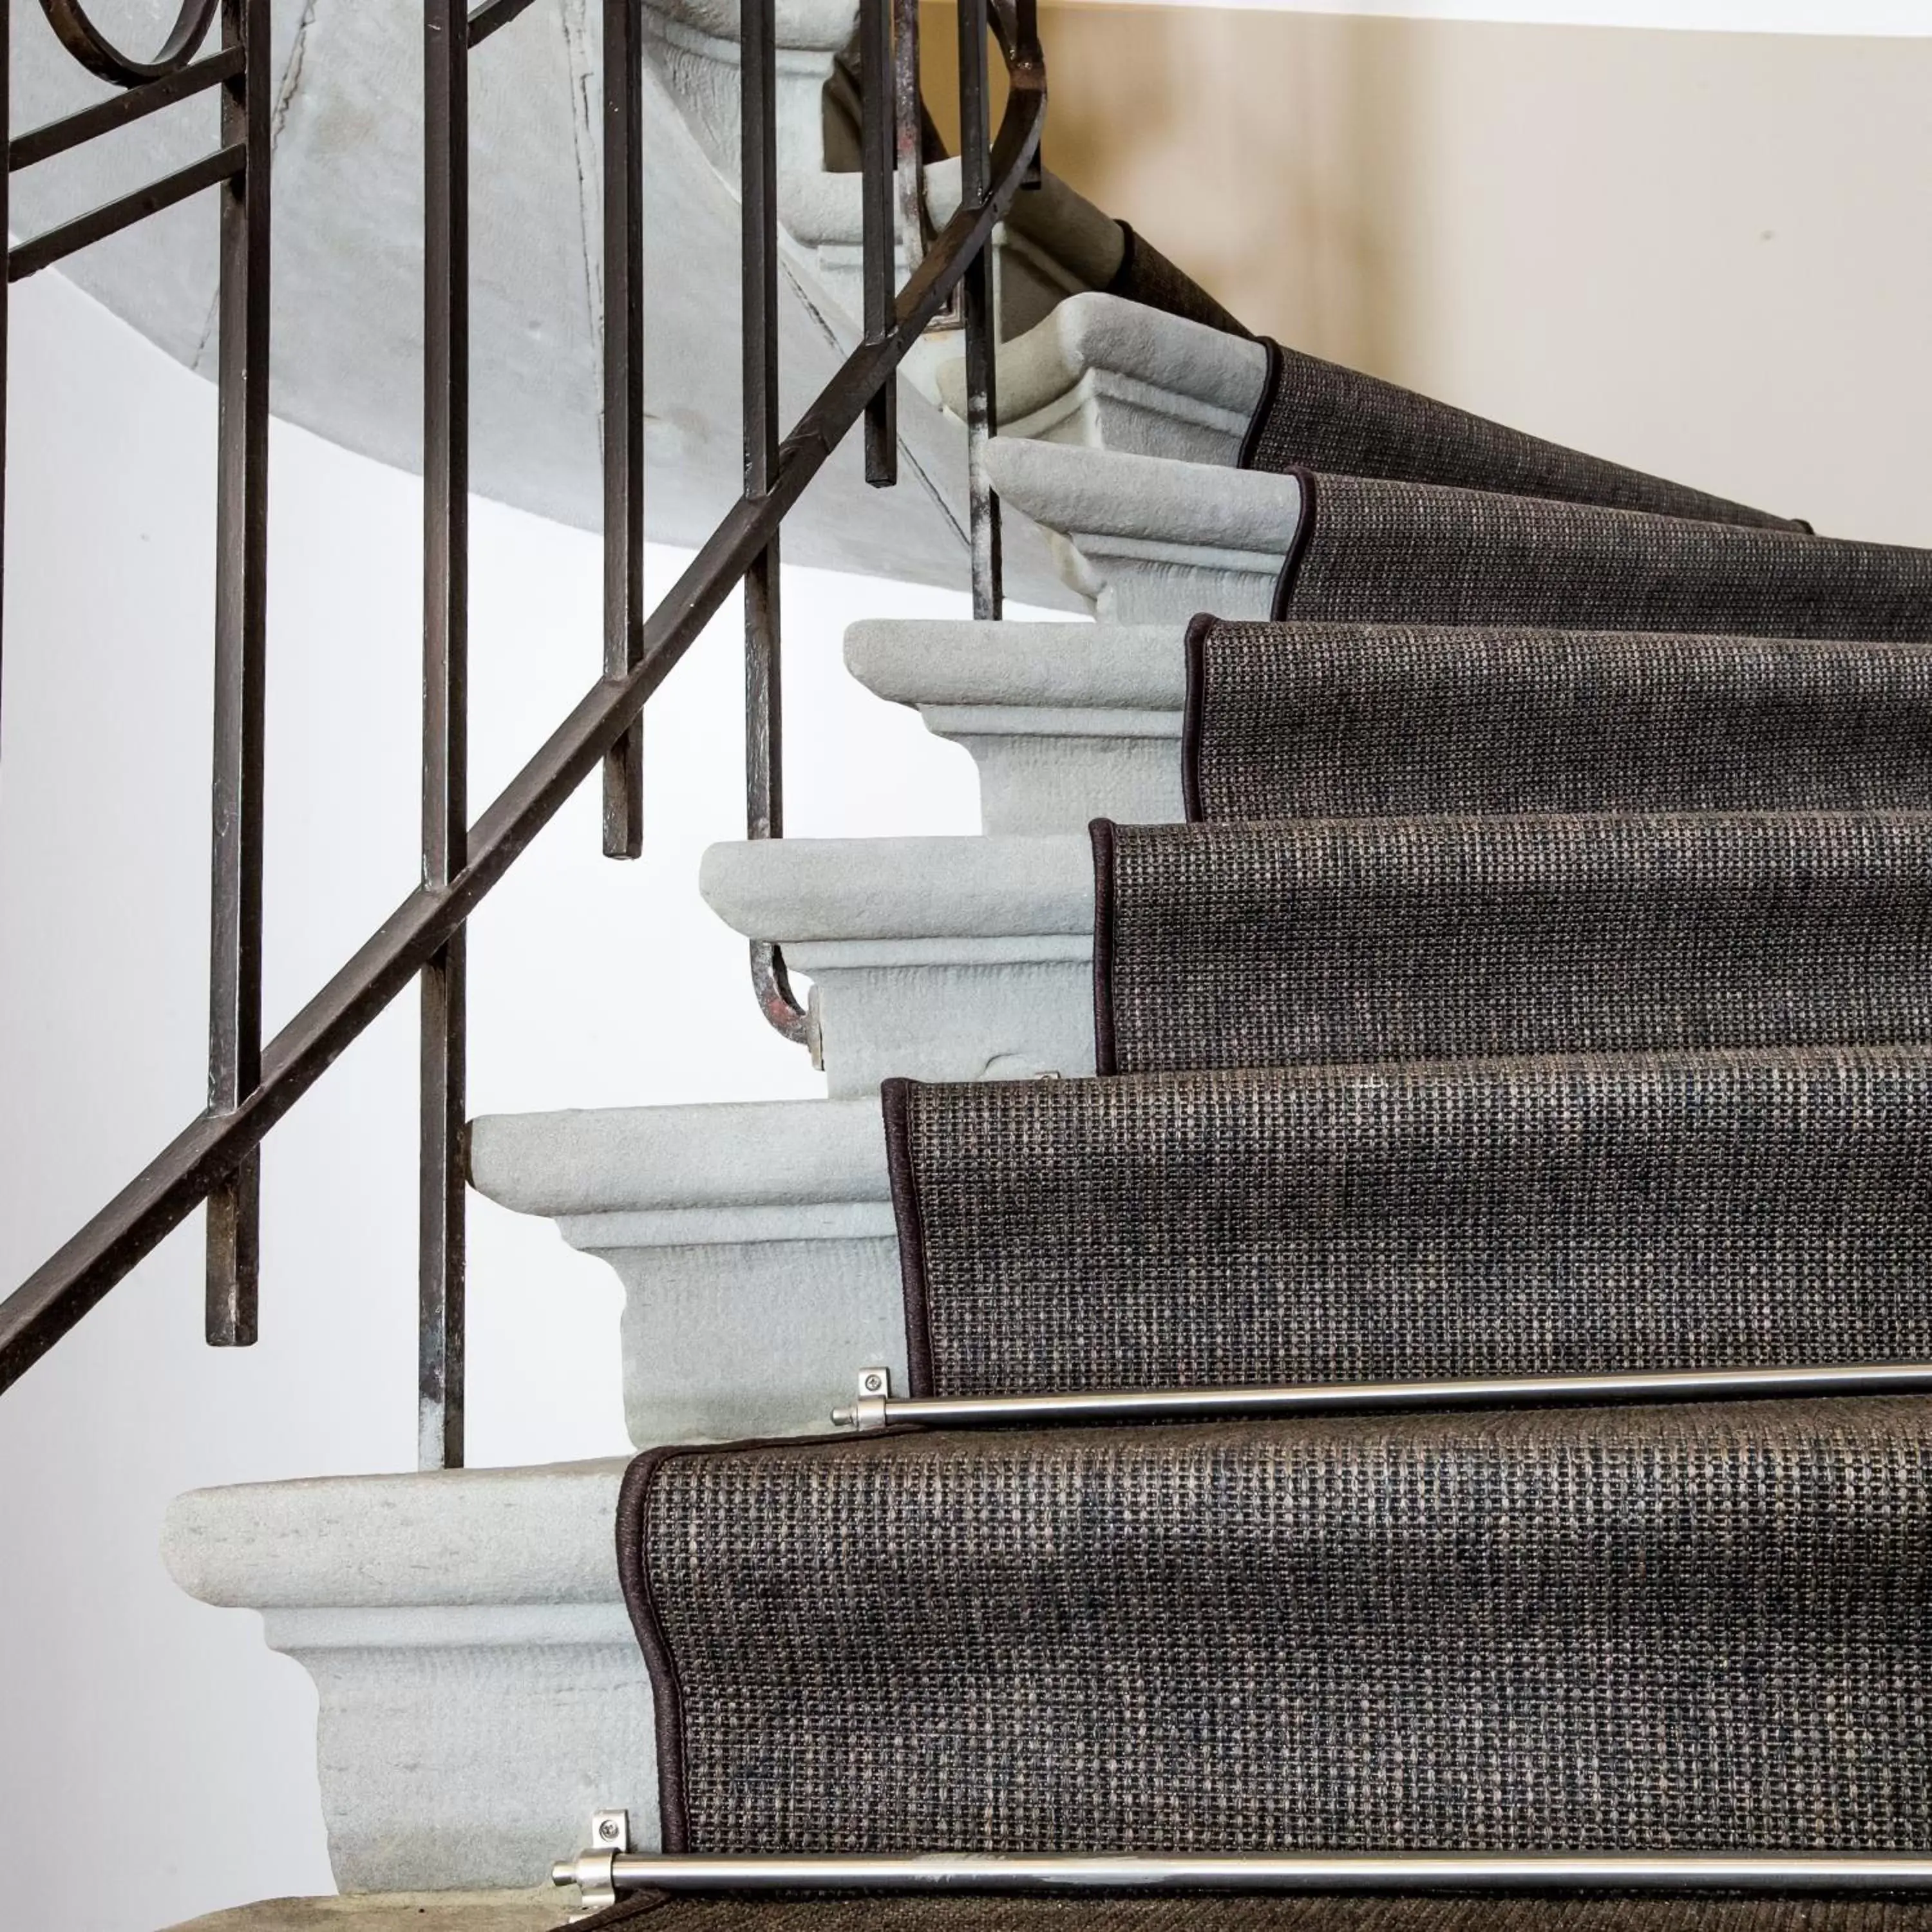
1690 1627
1251 1914
1370 551
1463 1218
1273 943
1354 721
1314 414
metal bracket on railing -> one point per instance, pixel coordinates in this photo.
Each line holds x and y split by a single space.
593 1870
869 1412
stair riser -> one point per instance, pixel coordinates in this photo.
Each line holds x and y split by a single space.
1132 580
467 1748
735 1338
887 1007
1107 409
1038 781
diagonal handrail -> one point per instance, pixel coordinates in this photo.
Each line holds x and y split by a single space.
212 1147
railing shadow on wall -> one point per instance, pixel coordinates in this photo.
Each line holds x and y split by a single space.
252 1084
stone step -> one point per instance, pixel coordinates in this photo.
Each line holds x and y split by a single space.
1150 539
1105 373
1066 722
961 959
755 1243
480 1688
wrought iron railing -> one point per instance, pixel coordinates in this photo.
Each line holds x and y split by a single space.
253 1084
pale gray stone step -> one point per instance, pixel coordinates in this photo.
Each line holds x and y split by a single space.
1066 722
1149 539
942 958
754 1240
480 1689
1103 373
537 1908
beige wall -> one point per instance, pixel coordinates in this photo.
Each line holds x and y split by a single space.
1707 254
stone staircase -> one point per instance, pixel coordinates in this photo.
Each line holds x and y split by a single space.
481 1691
462 1628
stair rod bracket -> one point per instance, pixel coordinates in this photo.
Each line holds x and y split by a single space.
872 1408
594 1870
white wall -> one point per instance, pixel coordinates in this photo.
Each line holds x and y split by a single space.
136 1726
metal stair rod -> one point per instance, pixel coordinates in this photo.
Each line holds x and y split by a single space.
875 1407
1285 1872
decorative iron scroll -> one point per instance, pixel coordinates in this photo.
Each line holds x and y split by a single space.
99 54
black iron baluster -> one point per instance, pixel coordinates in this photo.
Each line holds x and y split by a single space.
982 398
444 720
240 650
764 707
623 410
877 158
422 937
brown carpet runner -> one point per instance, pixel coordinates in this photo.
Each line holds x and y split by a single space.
1354 721
1470 1218
1687 1627
1314 414
1276 943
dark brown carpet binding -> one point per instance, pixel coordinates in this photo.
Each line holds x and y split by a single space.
1364 721
1314 414
1400 1222
1368 551
1320 1914
1687 1627
1283 943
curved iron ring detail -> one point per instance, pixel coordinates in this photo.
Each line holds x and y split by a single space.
99 54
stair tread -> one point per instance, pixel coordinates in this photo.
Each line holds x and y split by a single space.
1305 720
1697 1627
1408 1221
1365 549
1318 415
1280 942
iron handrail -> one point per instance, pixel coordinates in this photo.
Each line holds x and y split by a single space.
215 1146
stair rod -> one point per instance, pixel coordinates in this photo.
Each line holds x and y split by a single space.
875 1406
1823 1872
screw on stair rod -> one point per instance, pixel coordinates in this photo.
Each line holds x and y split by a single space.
877 1405
1286 1872
875 1396
593 1870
